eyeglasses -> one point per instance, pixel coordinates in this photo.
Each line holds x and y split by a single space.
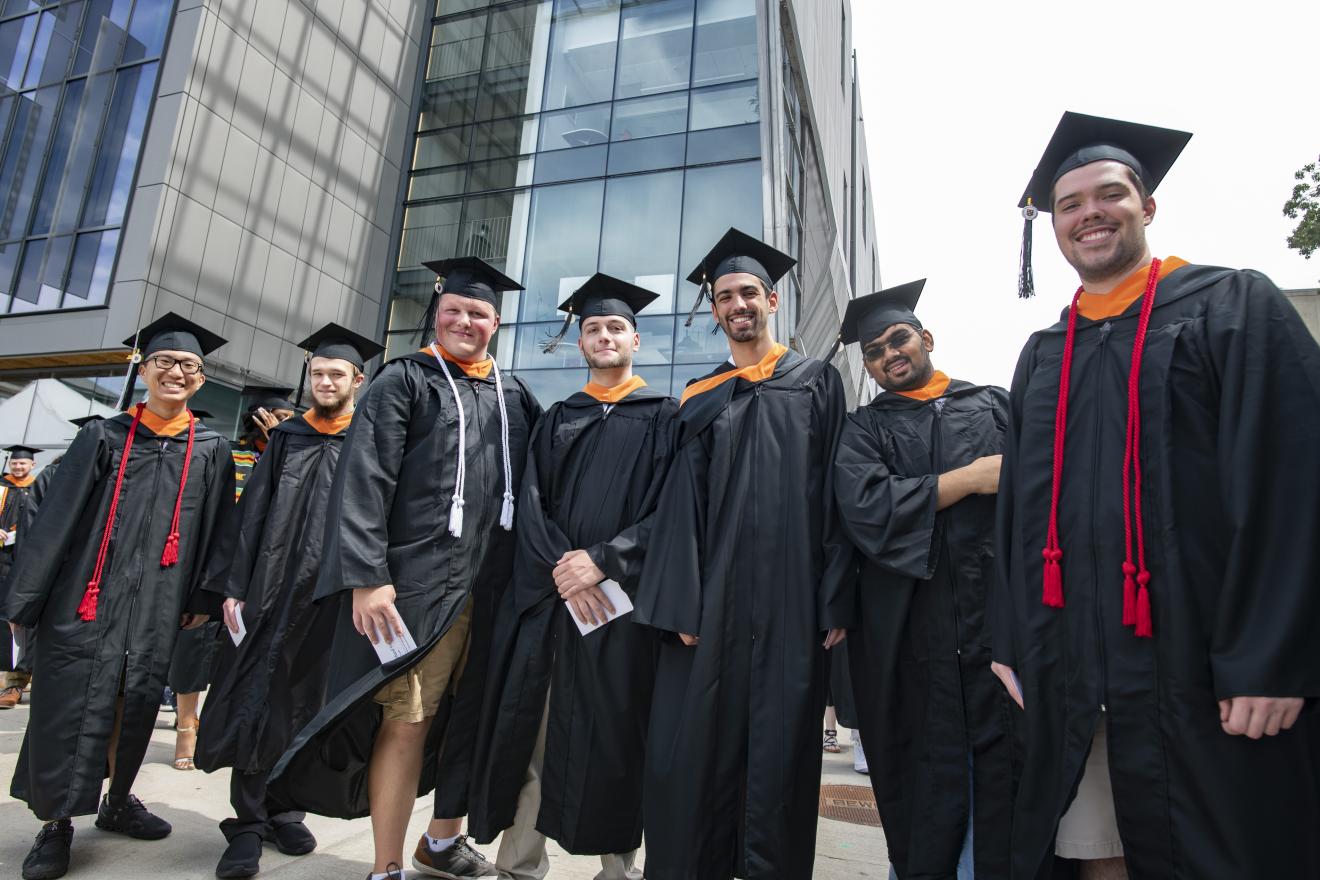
165 363
895 342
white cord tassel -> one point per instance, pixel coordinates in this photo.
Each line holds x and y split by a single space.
460 471
506 510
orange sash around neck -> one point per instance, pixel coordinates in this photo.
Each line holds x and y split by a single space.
1097 306
328 426
471 369
938 384
165 427
617 393
757 372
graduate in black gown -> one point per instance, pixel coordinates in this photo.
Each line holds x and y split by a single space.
1158 521
17 505
272 682
751 578
420 535
916 476
572 767
111 571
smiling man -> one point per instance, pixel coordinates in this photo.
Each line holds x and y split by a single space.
916 477
750 576
420 541
17 500
1158 525
110 571
562 740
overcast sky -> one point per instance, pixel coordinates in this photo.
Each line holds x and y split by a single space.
960 99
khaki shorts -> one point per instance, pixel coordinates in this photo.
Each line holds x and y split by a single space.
1089 830
416 695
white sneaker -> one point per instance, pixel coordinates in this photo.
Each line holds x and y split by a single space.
859 758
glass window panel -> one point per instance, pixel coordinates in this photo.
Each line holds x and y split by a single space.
715 198
105 23
571 164
703 342
8 262
656 378
582 49
498 174
89 273
724 144
655 47
456 47
448 102
529 355
58 44
551 386
32 292
429 233
726 41
15 47
487 224
28 138
725 105
647 117
446 147
580 127
121 142
437 183
657 340
685 373
59 154
146 30
502 138
449 7
14 7
40 46
409 296
649 154
509 49
640 239
564 240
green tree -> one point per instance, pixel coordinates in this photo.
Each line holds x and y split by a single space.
1304 206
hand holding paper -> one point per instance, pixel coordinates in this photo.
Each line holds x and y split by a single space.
616 597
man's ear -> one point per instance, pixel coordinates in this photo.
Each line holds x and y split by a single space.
929 339
1148 210
772 299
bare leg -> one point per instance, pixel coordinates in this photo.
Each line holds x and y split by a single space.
1104 869
831 719
396 765
185 727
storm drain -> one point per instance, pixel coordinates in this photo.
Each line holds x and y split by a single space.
849 803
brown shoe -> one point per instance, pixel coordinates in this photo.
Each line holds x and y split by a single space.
10 697
455 863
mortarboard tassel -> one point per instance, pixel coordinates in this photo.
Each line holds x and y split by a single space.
1026 284
702 293
427 327
130 381
302 380
837 347
551 344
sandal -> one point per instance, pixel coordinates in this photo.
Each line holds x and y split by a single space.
831 742
183 748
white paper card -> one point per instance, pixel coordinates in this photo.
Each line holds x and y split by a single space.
10 539
402 644
618 598
242 629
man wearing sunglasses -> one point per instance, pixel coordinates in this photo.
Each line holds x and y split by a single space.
916 478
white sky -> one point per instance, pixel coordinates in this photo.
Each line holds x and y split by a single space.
960 99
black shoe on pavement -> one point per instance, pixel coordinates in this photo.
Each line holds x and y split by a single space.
131 818
242 857
457 861
49 856
292 838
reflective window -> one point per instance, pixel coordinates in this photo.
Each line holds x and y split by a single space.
648 154
505 79
583 44
640 238
701 343
146 30
15 48
571 164
52 189
647 117
579 127
724 144
655 47
563 245
29 136
89 273
725 105
120 145
715 198
725 43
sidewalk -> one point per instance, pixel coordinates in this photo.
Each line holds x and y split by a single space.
194 802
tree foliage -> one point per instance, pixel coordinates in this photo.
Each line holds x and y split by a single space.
1304 206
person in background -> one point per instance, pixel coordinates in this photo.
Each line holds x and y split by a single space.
17 488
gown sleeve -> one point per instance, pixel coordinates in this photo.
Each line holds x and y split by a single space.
216 518
999 594
836 599
235 555
541 543
1268 367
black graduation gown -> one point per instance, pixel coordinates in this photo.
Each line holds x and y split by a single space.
1230 390
747 554
15 514
63 758
273 683
387 523
592 482
921 650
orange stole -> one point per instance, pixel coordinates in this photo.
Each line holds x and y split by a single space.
1097 306
757 372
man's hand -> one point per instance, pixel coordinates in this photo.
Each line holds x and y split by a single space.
985 475
265 421
192 621
233 608
690 641
590 605
374 615
1255 717
575 573
834 637
1006 675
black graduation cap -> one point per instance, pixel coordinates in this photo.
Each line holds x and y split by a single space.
21 452
466 276
83 420
169 332
738 252
269 397
1079 140
869 316
335 341
601 295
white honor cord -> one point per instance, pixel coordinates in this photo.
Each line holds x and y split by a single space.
460 470
506 509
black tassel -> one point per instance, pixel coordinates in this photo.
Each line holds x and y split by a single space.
1026 284
702 293
427 328
551 344
302 381
130 381
837 349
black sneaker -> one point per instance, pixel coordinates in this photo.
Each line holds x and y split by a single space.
456 861
292 838
131 818
242 857
49 856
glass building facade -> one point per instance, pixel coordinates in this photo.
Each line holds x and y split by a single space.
557 138
77 79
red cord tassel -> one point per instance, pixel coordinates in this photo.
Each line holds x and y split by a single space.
1144 628
1053 595
87 607
170 554
1129 594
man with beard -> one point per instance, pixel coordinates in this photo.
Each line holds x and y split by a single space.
916 476
273 681
108 573
750 575
563 734
420 537
16 504
1157 526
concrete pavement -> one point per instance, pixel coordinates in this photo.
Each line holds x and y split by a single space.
194 802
